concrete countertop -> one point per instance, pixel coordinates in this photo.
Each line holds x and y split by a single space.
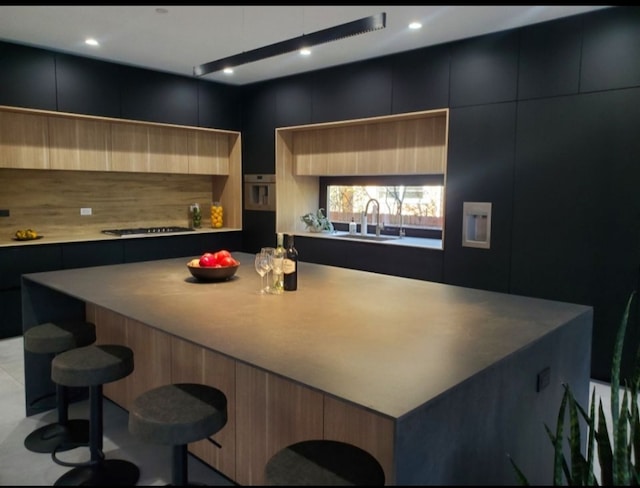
387 343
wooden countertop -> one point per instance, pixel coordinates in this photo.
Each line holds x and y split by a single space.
386 343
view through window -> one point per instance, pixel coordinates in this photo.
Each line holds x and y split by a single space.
413 204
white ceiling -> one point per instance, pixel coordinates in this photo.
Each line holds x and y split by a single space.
187 36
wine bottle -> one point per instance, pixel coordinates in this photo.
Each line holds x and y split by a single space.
278 262
290 266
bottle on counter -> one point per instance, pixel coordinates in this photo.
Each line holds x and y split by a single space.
196 216
278 263
353 227
290 266
216 215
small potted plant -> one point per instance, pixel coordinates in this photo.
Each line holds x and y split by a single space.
317 222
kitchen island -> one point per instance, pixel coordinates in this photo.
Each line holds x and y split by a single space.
440 383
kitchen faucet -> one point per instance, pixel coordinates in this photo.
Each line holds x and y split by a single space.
363 229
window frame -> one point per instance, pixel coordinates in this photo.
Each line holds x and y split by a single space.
383 180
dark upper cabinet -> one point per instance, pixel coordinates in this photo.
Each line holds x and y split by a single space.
484 69
550 59
258 126
421 80
87 86
611 49
159 97
219 106
293 101
352 91
480 169
27 77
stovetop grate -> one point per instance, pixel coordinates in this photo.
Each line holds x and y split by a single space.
146 230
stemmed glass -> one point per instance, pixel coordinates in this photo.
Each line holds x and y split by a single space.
262 265
270 251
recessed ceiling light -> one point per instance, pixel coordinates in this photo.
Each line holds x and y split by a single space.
305 51
91 42
228 71
162 11
415 25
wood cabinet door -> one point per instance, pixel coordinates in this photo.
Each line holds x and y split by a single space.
24 141
208 153
149 149
79 144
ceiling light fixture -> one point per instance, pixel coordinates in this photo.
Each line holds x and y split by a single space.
305 51
415 25
366 24
91 42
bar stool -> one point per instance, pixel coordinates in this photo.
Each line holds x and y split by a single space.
54 338
93 366
175 415
323 462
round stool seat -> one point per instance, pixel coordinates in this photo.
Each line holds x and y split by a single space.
92 365
323 462
59 336
178 413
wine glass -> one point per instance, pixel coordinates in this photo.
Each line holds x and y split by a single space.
262 265
271 252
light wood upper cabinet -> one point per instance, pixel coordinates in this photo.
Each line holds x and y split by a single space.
406 144
208 153
24 141
79 144
151 149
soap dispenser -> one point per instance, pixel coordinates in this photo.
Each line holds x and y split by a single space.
353 227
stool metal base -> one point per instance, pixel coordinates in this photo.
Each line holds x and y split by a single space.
109 472
59 437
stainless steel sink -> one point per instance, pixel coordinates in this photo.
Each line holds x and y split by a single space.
369 237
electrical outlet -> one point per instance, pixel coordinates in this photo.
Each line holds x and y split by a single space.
85 211
544 377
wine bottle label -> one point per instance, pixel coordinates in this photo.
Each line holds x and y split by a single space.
288 266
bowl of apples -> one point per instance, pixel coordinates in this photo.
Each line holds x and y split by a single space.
216 266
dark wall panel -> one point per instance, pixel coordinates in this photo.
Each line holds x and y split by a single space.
219 106
484 69
480 169
352 91
421 80
159 97
293 101
87 86
611 49
549 62
258 126
27 77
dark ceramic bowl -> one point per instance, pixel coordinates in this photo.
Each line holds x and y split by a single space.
210 273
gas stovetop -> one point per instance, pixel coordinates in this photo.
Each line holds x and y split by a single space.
146 230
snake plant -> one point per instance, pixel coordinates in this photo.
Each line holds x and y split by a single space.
618 452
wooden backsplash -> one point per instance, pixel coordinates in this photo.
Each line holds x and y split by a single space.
50 200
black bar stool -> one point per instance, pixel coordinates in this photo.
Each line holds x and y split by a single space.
323 463
175 415
93 366
54 338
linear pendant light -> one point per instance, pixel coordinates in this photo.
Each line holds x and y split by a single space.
366 24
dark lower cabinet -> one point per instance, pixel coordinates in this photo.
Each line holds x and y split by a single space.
18 260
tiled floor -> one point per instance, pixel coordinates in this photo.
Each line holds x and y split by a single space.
21 467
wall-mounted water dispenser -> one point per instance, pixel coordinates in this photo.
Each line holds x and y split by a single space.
260 192
476 224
